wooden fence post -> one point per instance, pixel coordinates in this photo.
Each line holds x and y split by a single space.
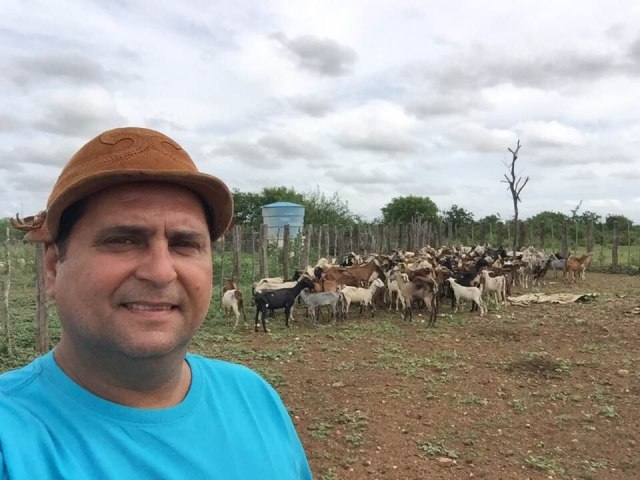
449 233
237 251
340 242
614 248
541 235
254 237
221 241
263 248
522 237
327 242
590 237
565 240
319 245
307 246
7 288
500 242
286 235
42 314
356 238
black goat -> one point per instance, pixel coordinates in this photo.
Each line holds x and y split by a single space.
277 299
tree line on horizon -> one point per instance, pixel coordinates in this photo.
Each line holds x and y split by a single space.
323 209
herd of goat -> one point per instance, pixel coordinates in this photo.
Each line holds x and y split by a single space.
404 281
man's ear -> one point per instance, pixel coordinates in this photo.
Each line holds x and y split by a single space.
51 259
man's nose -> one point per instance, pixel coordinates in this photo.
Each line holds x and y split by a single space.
157 264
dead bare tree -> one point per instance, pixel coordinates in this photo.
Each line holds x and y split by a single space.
515 187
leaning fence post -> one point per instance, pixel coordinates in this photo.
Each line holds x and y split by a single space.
42 315
7 287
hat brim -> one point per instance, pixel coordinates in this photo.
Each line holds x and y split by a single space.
214 193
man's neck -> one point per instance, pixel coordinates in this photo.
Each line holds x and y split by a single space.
152 383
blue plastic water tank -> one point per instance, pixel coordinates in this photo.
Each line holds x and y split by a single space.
277 215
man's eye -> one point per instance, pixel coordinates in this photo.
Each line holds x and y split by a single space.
120 241
187 246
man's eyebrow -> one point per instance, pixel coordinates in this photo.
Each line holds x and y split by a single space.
123 230
187 235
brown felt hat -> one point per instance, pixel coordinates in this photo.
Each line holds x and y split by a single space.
126 155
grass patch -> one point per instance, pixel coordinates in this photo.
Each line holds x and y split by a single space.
436 449
319 429
544 464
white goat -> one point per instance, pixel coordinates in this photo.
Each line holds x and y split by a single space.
360 295
494 285
467 293
232 299
315 300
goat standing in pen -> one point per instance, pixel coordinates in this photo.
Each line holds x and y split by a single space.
277 299
424 289
360 295
474 294
232 300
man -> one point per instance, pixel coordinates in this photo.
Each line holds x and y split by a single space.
128 229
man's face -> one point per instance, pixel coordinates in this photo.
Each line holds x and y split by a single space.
136 278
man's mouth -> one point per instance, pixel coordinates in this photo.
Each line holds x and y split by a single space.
146 307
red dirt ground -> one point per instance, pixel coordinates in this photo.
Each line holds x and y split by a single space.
544 391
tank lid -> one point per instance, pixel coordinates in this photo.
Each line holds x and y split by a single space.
283 204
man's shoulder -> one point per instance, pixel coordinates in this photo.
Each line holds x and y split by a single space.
228 372
13 381
222 367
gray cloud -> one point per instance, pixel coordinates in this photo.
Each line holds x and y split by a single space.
483 69
361 176
318 55
377 142
447 103
245 152
314 106
70 118
289 146
64 66
580 156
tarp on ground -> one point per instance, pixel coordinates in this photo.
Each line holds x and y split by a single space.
560 298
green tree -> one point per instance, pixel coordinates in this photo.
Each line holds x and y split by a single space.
321 209
406 209
281 194
621 219
457 216
247 208
588 216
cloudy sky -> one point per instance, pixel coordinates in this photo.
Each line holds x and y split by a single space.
370 99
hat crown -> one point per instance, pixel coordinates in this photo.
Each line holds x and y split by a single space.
136 149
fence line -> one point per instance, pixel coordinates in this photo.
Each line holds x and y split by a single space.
617 248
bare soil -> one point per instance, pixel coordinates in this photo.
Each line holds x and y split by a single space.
544 391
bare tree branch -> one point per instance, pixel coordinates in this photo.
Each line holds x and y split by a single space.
515 187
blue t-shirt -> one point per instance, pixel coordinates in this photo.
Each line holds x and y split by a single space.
231 425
